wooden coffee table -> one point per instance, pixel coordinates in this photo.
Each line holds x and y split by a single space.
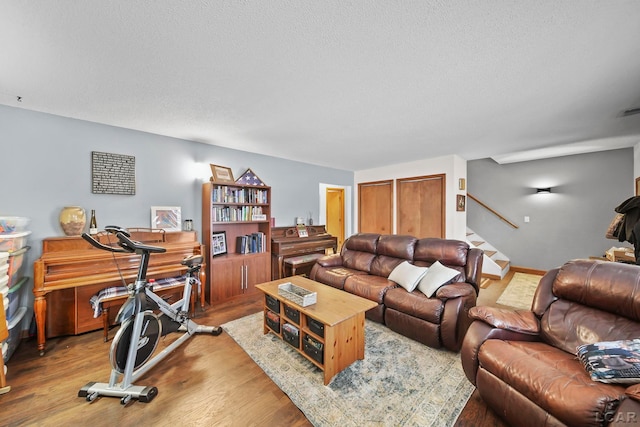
330 332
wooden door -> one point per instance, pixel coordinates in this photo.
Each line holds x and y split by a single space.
375 207
421 206
335 214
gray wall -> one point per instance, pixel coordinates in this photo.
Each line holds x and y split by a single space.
46 165
566 224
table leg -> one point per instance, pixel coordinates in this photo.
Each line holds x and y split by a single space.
40 311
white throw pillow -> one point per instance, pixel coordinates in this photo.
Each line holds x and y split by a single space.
436 276
407 275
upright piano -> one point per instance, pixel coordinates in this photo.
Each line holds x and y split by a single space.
70 271
285 243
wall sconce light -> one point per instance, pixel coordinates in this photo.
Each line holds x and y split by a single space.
543 190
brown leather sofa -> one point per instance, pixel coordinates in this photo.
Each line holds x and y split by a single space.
524 363
363 266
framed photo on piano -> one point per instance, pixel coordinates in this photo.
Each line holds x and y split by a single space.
302 230
167 218
218 243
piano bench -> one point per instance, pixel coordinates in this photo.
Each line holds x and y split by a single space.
300 264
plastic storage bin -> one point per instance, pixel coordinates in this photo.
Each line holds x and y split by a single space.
17 265
14 241
13 224
14 298
14 333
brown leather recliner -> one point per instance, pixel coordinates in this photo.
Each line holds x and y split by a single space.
524 363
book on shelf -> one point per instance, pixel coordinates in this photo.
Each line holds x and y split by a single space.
612 361
251 243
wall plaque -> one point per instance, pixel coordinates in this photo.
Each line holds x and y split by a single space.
113 173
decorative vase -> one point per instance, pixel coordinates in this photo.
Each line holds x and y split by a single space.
72 220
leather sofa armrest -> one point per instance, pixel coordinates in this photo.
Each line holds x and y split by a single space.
333 260
495 323
521 321
454 290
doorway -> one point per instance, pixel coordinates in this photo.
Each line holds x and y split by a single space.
335 213
328 216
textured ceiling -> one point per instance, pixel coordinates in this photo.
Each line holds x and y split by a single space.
347 84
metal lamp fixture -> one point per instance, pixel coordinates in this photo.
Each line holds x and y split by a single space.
543 190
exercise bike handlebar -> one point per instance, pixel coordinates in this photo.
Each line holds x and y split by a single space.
124 241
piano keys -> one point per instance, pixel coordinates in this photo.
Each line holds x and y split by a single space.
285 243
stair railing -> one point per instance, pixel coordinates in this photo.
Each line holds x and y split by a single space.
472 197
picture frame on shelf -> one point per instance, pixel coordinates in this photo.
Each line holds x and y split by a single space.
221 174
218 243
167 218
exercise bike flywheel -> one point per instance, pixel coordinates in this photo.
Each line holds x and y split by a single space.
147 342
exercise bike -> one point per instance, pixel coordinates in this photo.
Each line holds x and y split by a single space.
141 328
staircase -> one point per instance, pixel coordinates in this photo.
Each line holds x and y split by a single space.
495 264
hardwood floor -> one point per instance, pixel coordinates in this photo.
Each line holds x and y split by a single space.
206 381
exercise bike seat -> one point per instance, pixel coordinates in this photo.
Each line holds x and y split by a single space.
192 260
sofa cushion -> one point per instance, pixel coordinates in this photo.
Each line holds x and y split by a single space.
357 260
449 252
396 246
568 324
334 276
552 379
370 287
611 287
415 304
407 275
436 276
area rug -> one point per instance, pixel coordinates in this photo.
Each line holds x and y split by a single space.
519 292
400 382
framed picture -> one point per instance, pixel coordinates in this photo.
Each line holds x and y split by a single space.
638 186
460 202
168 218
221 174
218 243
461 184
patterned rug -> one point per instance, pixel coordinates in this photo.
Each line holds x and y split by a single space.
400 382
519 292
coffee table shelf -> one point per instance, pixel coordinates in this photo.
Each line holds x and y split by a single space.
334 324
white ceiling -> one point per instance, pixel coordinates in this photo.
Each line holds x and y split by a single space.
346 84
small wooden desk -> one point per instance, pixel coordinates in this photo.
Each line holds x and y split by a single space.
341 313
